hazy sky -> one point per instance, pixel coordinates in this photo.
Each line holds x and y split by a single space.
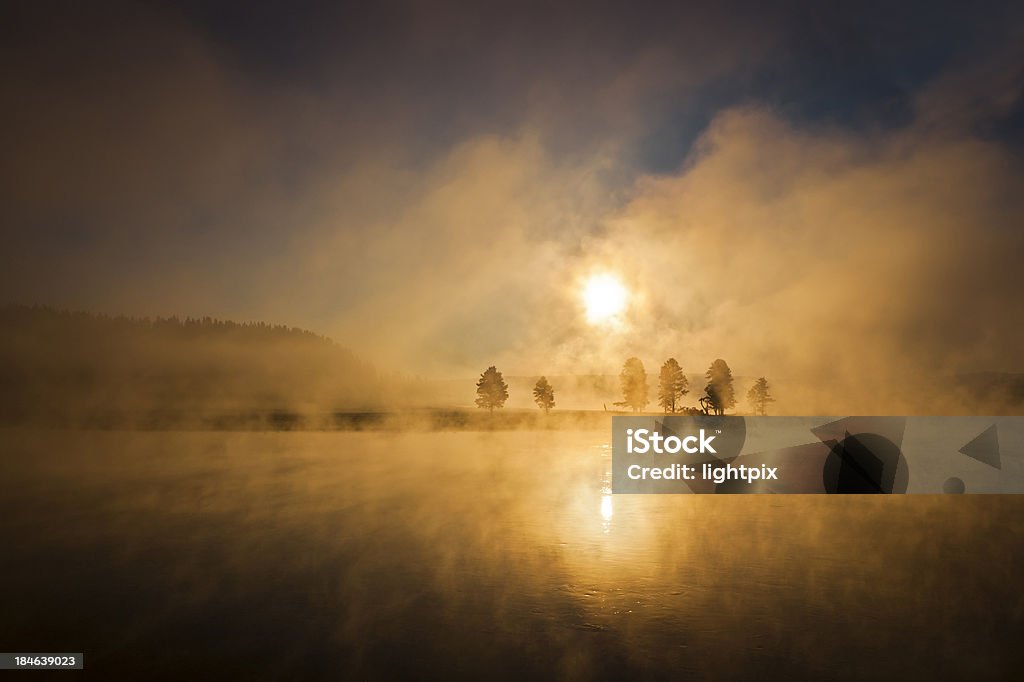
801 189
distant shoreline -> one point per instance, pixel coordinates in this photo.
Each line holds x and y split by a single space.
410 419
413 419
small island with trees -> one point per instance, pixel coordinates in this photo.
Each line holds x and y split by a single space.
673 386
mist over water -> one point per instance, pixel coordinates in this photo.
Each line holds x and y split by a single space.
369 555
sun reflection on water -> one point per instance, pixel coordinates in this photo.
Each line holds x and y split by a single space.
606 510
607 506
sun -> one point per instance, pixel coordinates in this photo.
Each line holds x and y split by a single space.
604 298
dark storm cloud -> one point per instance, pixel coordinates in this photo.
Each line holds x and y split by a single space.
426 181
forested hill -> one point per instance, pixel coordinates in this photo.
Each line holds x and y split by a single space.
63 365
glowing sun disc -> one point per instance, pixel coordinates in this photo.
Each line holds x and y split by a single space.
604 298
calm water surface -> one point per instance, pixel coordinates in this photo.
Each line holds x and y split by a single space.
462 555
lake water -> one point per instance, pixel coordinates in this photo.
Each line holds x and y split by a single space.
373 555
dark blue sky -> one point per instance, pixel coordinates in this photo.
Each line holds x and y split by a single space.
470 66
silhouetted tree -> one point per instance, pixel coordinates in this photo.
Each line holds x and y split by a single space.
759 396
491 389
672 385
544 394
633 380
719 390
